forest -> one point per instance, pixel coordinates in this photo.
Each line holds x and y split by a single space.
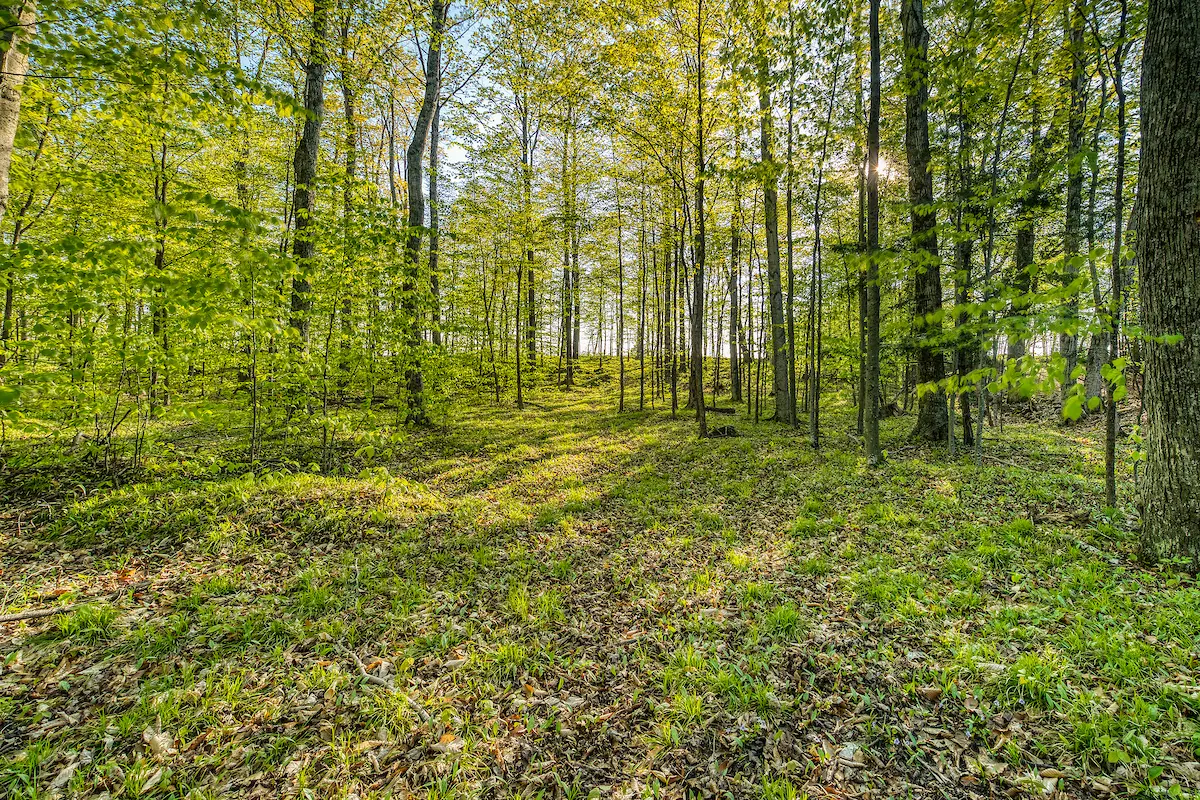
740 399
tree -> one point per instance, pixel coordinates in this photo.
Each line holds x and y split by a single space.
416 205
1073 231
927 280
699 242
1168 246
305 168
871 372
784 406
16 29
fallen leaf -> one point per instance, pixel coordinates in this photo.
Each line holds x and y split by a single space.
152 781
161 745
449 743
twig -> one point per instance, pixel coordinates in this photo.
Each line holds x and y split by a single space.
375 680
1005 463
36 613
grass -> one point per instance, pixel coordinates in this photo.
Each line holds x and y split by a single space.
570 586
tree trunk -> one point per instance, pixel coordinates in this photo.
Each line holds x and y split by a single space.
966 352
789 215
434 281
14 63
779 339
735 245
527 145
697 369
871 407
416 210
1111 423
304 167
927 280
1097 355
860 287
1168 237
1068 339
349 100
1031 205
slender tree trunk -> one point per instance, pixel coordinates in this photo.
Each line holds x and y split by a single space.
1072 238
735 244
927 280
871 412
790 213
527 145
620 291
779 338
517 340
414 379
861 283
1111 424
697 370
1030 207
160 394
568 307
1097 354
304 167
434 276
967 350
349 249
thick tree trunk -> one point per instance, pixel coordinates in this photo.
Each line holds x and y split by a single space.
14 63
1168 237
416 209
304 167
927 280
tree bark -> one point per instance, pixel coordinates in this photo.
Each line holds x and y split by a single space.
927 280
434 280
349 107
1073 234
1031 204
784 406
871 407
14 63
697 362
304 167
735 245
967 349
1111 422
1168 241
416 209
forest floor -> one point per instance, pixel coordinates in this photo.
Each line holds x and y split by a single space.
568 602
